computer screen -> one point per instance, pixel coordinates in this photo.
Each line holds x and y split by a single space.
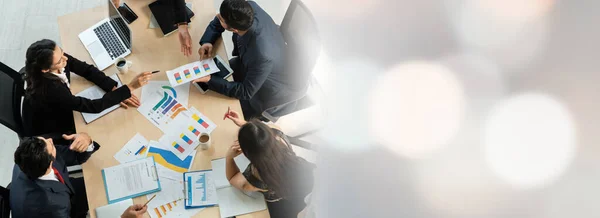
119 24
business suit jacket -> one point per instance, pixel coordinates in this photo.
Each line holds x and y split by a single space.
35 198
262 51
51 111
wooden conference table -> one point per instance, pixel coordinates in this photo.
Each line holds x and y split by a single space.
151 51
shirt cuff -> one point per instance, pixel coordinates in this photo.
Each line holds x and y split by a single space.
90 147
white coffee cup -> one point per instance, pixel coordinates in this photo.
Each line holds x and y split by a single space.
204 140
123 65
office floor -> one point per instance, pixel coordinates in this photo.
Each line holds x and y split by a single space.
26 21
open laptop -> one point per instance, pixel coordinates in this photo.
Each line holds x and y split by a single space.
108 39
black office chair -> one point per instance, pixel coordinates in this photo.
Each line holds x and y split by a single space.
11 93
300 33
4 204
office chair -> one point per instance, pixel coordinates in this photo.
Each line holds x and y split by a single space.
11 93
299 30
4 204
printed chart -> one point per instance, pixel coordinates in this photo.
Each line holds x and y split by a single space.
134 149
166 158
191 71
181 93
161 109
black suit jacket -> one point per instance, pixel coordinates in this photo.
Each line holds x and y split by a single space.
35 198
51 110
262 53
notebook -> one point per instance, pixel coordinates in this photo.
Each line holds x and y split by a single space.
232 201
131 179
199 189
96 92
113 210
164 16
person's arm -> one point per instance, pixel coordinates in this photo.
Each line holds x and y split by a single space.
63 98
72 158
91 73
213 32
255 77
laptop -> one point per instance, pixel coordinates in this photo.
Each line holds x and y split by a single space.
108 39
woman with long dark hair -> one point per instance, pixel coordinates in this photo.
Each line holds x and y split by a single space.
49 103
274 170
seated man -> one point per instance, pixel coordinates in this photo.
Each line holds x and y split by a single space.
41 186
260 79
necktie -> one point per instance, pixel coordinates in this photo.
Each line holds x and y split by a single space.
58 175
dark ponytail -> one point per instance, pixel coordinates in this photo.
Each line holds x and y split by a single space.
39 57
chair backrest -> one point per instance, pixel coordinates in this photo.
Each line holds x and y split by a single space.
4 204
300 32
11 92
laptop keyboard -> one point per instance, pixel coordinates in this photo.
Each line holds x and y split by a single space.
110 40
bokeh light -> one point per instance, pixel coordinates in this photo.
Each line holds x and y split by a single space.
415 108
529 140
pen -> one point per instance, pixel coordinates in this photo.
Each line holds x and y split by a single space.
228 109
156 71
149 200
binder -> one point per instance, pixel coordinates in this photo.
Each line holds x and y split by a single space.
199 189
130 180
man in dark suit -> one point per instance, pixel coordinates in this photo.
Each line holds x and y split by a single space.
41 186
260 79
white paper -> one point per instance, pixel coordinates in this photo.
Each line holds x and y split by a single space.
130 178
219 170
233 202
191 71
160 108
169 202
113 210
200 189
96 92
201 121
181 93
181 145
135 149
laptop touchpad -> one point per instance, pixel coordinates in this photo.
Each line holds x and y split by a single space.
96 48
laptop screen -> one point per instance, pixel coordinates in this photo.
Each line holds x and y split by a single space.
119 25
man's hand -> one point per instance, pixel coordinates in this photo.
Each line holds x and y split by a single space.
185 40
81 141
204 79
205 51
134 211
133 101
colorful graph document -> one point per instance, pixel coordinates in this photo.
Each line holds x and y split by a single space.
135 149
191 71
168 159
181 145
96 92
181 93
169 202
199 189
131 179
161 109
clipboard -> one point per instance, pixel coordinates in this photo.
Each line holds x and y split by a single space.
191 183
130 180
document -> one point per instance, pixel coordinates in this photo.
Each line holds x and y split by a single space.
182 145
113 210
199 189
169 202
232 201
96 92
181 93
195 70
135 149
131 179
166 158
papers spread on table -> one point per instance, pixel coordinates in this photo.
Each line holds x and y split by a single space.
131 179
169 202
113 210
168 159
181 93
192 71
199 189
96 92
232 201
134 149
